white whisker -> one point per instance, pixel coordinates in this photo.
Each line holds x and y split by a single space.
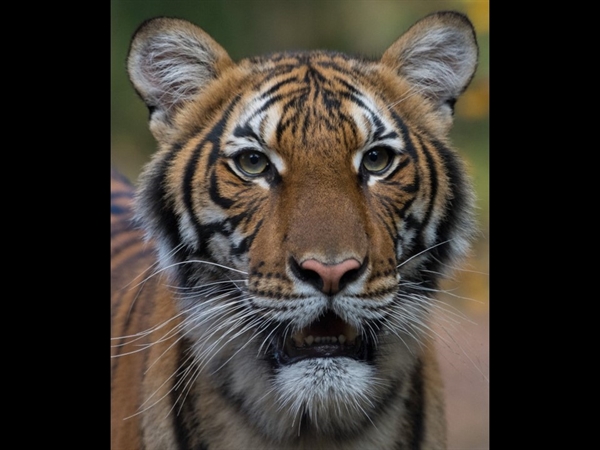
423 251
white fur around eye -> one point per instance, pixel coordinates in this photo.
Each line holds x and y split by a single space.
263 125
364 121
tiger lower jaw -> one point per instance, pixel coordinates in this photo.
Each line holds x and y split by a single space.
331 396
325 378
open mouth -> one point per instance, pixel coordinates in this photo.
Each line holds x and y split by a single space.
328 337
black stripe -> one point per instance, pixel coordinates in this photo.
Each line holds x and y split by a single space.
352 89
247 215
132 239
434 183
415 408
117 205
276 98
409 148
121 290
154 197
401 212
125 224
186 420
245 244
213 137
388 177
290 80
390 135
433 177
332 56
115 307
386 204
121 194
246 131
379 128
459 190
215 195
294 104
353 96
409 145
119 210
455 211
181 419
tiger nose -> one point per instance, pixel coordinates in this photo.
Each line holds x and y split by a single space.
330 278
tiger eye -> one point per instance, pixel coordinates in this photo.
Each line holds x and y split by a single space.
377 160
252 163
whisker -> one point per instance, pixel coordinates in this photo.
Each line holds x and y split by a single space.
423 251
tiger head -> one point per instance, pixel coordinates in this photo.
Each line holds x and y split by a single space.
305 205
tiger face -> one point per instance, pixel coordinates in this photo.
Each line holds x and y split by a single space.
304 205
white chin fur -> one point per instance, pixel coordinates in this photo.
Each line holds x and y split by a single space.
334 393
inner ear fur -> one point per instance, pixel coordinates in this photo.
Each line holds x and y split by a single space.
437 55
170 61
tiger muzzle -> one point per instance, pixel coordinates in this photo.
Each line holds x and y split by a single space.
328 278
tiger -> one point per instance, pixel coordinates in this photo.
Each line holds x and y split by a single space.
274 268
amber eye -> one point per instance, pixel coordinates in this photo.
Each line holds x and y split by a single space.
252 163
377 160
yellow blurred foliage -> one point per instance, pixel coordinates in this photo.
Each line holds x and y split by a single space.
479 13
474 103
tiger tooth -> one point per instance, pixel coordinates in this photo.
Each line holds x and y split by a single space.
350 334
298 340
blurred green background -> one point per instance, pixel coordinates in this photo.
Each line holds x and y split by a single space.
366 27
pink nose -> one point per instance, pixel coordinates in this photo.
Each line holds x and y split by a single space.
330 275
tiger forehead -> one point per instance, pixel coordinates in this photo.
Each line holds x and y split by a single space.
312 102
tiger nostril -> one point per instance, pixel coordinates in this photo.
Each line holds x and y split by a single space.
309 276
328 278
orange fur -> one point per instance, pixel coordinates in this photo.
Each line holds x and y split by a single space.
219 287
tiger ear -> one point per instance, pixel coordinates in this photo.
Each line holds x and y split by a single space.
438 56
169 62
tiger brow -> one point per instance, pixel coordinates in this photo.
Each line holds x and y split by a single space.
246 131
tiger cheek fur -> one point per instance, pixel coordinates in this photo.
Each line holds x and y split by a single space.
303 206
